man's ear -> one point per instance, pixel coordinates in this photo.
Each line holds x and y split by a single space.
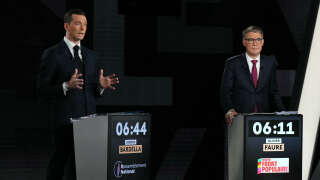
244 42
66 26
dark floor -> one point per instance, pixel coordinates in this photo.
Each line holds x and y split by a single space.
26 142
25 153
22 160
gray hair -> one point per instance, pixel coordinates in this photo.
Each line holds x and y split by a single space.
255 29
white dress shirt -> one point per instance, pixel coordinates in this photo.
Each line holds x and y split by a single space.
250 64
70 45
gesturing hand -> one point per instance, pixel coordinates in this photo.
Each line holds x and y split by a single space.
75 81
108 81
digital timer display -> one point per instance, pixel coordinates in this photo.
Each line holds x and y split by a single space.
124 128
273 128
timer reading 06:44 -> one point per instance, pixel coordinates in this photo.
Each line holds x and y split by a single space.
123 128
273 128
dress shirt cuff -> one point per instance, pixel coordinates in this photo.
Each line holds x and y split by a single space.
101 90
65 88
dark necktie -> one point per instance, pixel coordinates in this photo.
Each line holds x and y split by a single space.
77 59
254 74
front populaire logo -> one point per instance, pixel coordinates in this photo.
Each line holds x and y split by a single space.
273 165
259 166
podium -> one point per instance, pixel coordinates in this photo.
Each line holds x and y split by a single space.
112 146
265 147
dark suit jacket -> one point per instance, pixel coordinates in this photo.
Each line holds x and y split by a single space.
238 91
57 66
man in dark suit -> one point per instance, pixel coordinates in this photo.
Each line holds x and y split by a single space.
249 80
69 77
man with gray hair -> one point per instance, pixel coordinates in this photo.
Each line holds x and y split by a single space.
249 81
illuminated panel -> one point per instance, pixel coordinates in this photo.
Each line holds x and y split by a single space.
310 102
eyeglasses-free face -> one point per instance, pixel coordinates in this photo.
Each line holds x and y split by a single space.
253 42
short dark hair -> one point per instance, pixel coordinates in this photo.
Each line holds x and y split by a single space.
68 15
252 28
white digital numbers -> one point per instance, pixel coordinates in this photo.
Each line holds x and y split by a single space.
289 125
123 128
279 128
257 128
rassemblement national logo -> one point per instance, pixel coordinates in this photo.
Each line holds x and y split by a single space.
273 165
117 169
120 169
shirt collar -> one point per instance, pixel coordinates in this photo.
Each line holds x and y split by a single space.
249 58
71 44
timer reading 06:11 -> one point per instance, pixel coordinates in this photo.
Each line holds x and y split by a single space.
125 129
276 129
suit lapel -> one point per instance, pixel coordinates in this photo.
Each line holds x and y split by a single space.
67 55
85 57
262 72
84 54
245 67
65 50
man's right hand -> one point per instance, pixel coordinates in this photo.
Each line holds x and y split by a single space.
75 81
229 116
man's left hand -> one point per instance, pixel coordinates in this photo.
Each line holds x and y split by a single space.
108 81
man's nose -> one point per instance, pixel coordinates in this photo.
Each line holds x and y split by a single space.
82 27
